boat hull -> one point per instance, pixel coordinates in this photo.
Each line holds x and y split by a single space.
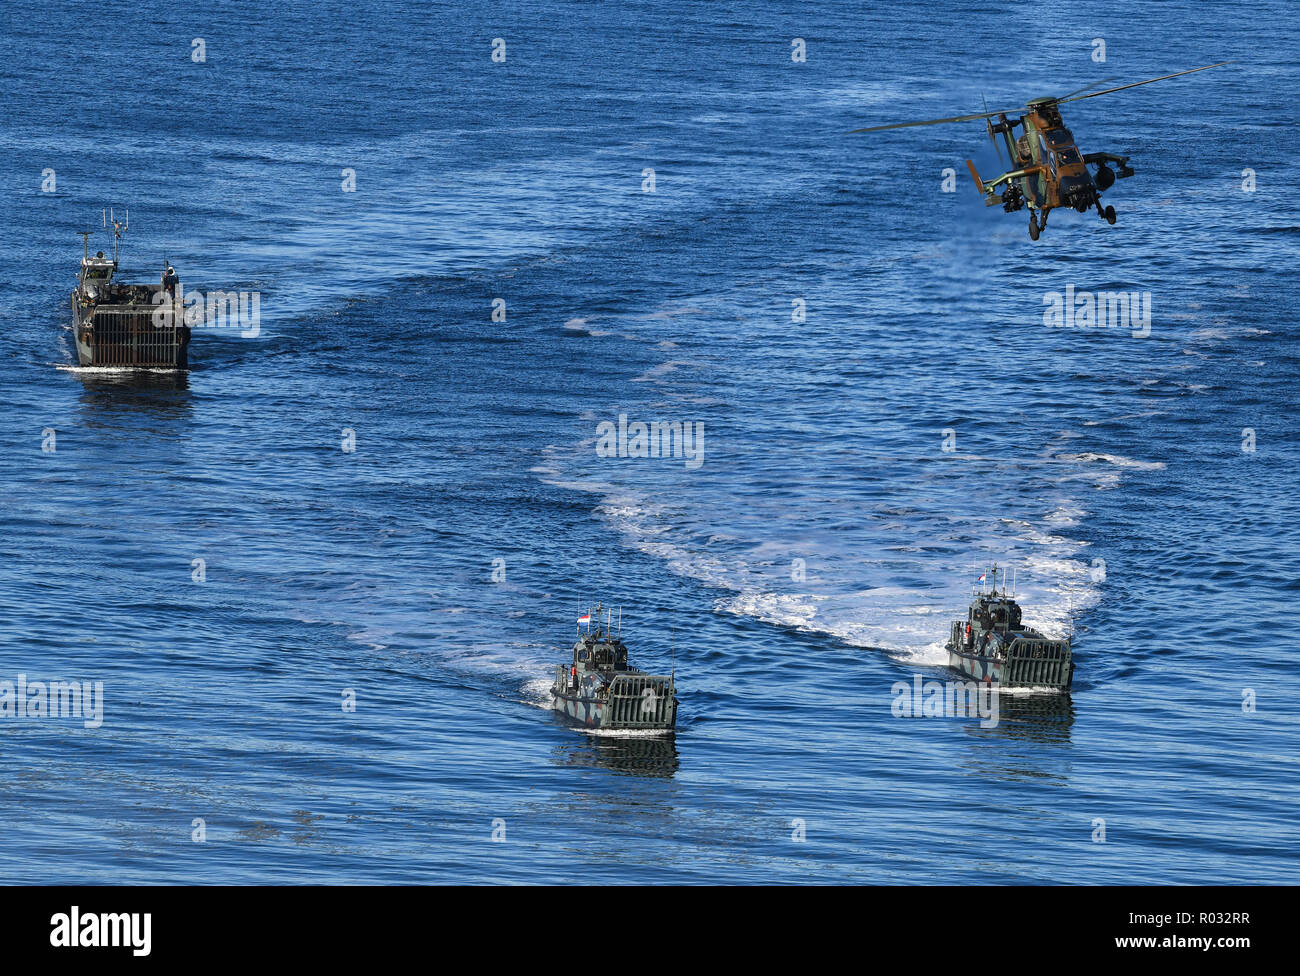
1014 671
627 701
584 711
128 335
980 668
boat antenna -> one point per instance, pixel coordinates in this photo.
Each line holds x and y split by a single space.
117 234
85 244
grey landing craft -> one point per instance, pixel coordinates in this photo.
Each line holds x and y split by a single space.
992 645
598 689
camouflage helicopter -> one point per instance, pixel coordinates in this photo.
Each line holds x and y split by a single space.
1049 170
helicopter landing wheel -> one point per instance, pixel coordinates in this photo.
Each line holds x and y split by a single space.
1109 214
1034 229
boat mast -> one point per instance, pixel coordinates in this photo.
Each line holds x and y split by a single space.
117 231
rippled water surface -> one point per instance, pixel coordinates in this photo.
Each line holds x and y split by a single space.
815 557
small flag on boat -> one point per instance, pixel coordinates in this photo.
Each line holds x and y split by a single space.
981 579
585 618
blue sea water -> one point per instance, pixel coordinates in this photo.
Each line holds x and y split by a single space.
811 562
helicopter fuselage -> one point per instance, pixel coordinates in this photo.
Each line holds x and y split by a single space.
1049 171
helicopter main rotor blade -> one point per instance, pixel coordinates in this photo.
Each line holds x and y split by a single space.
1135 84
1080 91
955 118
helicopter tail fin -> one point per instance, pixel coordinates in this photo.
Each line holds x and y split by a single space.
978 181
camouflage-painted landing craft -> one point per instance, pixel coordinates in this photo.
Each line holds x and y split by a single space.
598 689
1047 170
992 645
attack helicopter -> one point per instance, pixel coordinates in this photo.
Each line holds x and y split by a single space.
1048 170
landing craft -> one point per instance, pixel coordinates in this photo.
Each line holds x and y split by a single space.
1047 171
992 645
599 690
116 323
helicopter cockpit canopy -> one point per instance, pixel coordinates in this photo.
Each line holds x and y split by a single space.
1057 138
1069 156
